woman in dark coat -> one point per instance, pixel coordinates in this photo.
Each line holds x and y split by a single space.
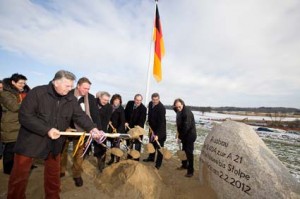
186 133
14 91
117 123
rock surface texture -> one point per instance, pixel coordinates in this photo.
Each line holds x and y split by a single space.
236 163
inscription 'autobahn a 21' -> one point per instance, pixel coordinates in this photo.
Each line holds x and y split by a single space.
216 155
236 163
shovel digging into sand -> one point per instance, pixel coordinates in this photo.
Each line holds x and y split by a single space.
164 151
135 133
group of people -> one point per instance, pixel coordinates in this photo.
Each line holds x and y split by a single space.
33 119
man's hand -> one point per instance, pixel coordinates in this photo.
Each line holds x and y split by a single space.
127 125
54 134
96 133
156 138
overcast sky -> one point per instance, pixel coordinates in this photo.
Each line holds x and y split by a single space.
218 52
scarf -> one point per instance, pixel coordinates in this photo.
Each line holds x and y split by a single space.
115 107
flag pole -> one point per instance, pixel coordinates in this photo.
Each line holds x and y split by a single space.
149 62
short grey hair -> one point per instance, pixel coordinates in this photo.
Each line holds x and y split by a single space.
138 95
102 93
64 74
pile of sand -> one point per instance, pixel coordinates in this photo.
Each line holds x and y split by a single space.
130 179
126 179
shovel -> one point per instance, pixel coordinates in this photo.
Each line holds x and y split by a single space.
164 151
135 133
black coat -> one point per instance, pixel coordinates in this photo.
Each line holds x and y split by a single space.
157 120
135 116
118 120
93 109
105 114
41 110
186 125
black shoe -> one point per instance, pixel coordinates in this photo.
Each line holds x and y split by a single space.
148 160
62 174
33 167
157 167
188 175
78 182
110 162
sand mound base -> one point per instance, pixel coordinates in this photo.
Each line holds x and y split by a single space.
130 179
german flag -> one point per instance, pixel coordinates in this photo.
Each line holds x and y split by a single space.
159 50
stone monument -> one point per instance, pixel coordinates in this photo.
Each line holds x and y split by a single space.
236 163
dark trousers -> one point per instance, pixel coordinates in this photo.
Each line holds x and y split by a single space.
8 157
99 150
20 173
188 147
159 156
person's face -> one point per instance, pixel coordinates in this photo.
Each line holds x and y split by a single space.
1 87
178 106
116 102
19 84
83 89
63 86
155 100
104 100
138 100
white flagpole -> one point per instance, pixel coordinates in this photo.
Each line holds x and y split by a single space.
149 62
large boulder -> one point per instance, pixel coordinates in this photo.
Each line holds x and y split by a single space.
236 163
130 179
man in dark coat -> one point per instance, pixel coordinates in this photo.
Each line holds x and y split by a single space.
45 112
135 115
157 124
88 105
105 111
186 133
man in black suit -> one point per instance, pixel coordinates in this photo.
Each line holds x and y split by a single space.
135 114
157 123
